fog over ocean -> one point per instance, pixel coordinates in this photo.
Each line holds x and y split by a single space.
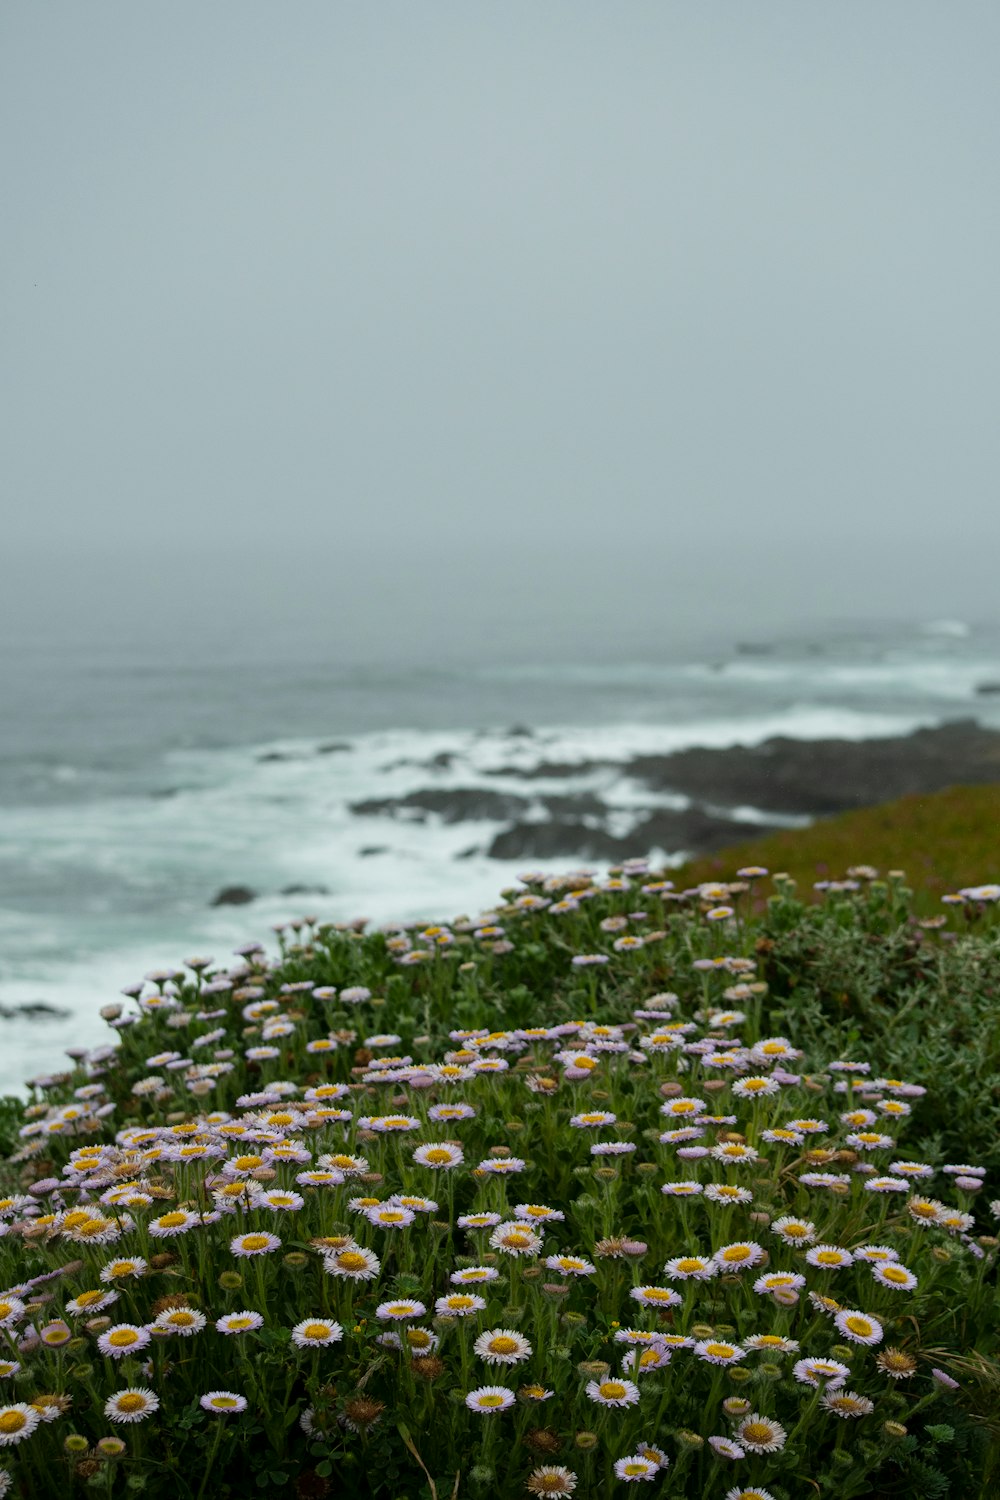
378 381
137 781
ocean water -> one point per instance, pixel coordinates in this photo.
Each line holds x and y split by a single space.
135 783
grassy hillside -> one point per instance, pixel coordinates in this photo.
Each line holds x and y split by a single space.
942 841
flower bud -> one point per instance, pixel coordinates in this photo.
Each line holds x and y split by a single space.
691 1440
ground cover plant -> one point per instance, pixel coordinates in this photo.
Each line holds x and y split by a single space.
944 840
609 1186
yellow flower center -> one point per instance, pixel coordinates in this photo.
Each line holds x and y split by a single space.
87 1299
12 1421
503 1345
172 1220
893 1273
758 1432
858 1325
657 1294
255 1242
720 1351
517 1241
438 1154
122 1338
736 1253
224 1402
350 1260
829 1257
316 1330
131 1401
491 1401
612 1390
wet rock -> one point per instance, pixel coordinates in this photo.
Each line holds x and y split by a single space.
558 770
984 689
575 805
690 831
370 849
305 890
33 1010
557 839
451 805
332 747
828 776
234 895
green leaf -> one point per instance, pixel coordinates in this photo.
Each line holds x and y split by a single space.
325 1469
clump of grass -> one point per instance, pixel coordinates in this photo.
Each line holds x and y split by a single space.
616 1184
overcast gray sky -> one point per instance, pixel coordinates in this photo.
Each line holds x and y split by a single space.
460 299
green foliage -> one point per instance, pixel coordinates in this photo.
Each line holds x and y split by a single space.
850 995
943 840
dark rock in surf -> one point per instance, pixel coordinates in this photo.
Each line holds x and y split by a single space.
451 805
33 1010
820 777
234 895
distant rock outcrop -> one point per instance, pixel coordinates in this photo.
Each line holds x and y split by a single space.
451 805
234 895
691 831
827 776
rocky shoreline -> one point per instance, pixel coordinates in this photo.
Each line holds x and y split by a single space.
716 797
784 778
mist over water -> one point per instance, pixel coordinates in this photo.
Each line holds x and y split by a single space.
392 378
